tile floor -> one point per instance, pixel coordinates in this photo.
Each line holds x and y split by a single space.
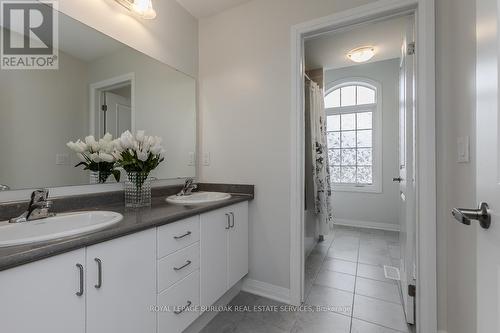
343 273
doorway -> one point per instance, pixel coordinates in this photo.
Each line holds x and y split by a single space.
111 106
421 264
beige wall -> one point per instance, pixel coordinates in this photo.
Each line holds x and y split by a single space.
455 97
245 74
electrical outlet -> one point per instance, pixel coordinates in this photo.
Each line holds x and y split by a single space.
463 149
62 159
191 159
206 159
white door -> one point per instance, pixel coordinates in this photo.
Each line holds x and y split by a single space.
406 177
488 166
41 296
238 244
118 115
214 227
121 284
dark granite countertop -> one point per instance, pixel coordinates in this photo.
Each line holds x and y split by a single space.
134 220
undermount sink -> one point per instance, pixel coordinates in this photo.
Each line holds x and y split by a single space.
198 198
59 226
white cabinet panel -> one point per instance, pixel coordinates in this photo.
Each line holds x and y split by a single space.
213 255
175 236
238 244
128 289
177 266
41 296
178 305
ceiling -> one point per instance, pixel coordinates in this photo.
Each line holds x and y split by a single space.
329 51
205 8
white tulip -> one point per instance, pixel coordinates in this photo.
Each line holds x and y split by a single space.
156 149
117 155
106 157
142 155
90 140
139 136
107 137
95 157
126 140
117 145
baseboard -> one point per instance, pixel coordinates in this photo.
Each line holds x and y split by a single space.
441 331
206 317
367 224
267 290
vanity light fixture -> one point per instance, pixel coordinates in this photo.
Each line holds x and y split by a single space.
142 8
361 54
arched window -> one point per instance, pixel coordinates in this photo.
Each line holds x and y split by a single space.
354 128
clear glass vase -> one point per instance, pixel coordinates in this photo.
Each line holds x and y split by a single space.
99 177
137 190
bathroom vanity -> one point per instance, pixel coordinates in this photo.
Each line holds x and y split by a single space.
150 272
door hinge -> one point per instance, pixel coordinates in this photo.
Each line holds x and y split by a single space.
104 108
410 48
412 290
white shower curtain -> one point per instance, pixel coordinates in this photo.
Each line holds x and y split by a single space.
320 165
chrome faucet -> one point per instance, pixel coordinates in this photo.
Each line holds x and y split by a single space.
4 187
188 188
38 208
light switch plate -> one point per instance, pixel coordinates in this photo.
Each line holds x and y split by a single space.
206 159
191 159
62 159
463 149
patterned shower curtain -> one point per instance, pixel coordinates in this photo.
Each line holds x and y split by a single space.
321 170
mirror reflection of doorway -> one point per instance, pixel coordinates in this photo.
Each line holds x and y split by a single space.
115 111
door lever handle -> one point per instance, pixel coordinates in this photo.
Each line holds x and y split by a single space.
398 179
465 216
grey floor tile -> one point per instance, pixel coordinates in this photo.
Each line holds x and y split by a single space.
321 322
336 280
359 326
336 300
378 289
367 257
379 312
341 266
343 254
220 324
373 272
250 325
275 313
395 251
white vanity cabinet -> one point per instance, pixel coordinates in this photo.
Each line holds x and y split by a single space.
121 284
41 296
224 250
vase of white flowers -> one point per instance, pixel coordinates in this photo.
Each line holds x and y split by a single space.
138 155
97 156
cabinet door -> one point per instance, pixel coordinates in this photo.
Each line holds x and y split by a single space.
41 296
213 255
122 302
238 244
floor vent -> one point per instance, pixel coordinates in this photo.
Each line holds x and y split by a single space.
392 273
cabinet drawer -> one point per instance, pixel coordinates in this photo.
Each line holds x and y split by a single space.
175 236
178 265
185 292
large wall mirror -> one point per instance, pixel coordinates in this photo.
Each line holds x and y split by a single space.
102 86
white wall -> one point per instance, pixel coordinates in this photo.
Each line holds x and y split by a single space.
455 96
32 105
172 37
245 76
164 105
375 207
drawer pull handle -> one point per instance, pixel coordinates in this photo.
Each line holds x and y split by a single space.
183 309
232 220
183 266
80 269
99 273
228 221
182 236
